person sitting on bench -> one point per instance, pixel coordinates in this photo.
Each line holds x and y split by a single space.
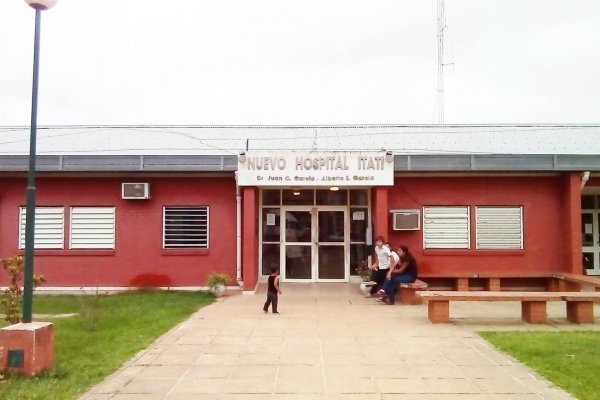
404 272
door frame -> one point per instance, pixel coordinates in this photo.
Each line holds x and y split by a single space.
345 244
283 244
314 244
595 248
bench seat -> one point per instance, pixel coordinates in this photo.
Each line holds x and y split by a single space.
576 280
491 280
533 304
580 306
408 291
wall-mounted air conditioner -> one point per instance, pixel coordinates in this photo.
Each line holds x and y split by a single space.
135 191
406 220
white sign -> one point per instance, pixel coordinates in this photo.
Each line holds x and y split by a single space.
358 216
270 219
316 169
589 229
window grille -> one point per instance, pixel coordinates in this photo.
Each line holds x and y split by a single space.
499 228
92 227
49 227
185 227
446 227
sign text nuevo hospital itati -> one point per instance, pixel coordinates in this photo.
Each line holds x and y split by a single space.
316 169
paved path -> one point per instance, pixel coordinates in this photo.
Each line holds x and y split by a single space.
330 343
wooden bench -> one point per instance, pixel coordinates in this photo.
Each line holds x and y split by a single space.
408 291
492 281
461 279
533 304
580 306
573 282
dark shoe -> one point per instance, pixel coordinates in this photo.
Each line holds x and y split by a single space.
386 301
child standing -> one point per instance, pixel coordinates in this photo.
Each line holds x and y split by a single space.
273 291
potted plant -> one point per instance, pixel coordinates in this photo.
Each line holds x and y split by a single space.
216 283
364 272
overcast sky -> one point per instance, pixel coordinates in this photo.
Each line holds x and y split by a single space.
301 62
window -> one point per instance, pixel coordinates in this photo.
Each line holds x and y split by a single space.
49 227
499 228
185 227
446 227
92 228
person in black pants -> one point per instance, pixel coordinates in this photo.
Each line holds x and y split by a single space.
273 291
380 268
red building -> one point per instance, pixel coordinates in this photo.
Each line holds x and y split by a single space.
165 206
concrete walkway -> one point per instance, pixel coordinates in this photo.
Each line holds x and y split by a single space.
331 343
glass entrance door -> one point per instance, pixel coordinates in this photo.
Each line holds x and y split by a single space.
298 245
332 251
590 234
315 244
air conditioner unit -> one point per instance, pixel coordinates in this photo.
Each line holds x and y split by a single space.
135 191
406 220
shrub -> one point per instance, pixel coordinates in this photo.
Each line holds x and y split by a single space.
12 296
213 280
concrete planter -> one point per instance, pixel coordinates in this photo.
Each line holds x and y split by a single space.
218 290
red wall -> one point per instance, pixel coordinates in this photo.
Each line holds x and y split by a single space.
544 224
138 256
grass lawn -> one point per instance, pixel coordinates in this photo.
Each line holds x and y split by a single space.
570 360
127 323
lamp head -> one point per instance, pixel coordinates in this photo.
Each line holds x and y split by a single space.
41 4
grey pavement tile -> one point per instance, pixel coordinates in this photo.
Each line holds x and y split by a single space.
258 359
209 371
407 385
265 372
162 372
354 396
462 396
192 396
451 386
295 371
194 339
514 396
248 385
348 372
199 386
300 359
433 371
375 352
518 371
149 386
395 371
112 384
503 385
176 359
217 359
300 385
96 396
135 396
301 396
354 385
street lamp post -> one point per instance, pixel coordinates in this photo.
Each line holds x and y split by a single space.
39 6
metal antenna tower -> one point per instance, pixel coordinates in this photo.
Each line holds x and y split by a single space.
441 26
